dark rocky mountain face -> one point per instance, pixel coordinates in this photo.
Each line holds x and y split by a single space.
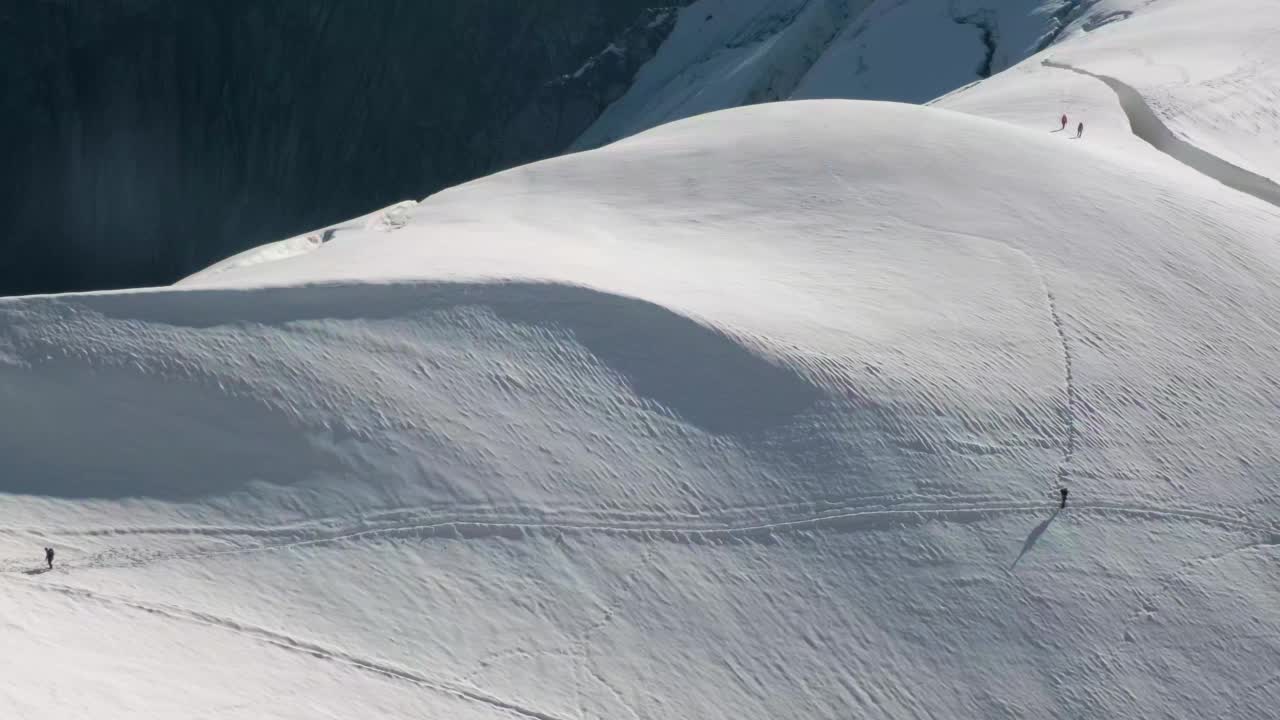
145 139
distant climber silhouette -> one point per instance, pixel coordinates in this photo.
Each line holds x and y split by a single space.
1064 121
1064 498
1080 130
48 556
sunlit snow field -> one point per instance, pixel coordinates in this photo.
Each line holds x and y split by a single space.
759 414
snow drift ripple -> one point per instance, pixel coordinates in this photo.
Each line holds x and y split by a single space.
693 372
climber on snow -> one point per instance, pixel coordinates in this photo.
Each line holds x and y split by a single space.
48 556
1064 498
1064 121
1080 130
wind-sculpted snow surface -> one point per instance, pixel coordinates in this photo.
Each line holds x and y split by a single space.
760 414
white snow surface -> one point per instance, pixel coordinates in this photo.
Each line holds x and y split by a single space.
760 414
728 53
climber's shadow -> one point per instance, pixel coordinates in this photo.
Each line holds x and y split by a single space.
1035 536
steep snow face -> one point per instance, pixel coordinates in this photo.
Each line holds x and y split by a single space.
759 414
727 53
881 54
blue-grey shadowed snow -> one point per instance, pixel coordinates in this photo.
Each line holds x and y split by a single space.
682 368
1034 537
181 458
699 374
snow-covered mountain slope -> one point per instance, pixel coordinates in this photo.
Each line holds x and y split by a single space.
1199 65
1187 73
727 53
758 414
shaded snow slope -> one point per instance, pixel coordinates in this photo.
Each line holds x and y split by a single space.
759 414
728 53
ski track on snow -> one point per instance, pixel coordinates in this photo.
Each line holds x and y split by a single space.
843 518
294 644
408 514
